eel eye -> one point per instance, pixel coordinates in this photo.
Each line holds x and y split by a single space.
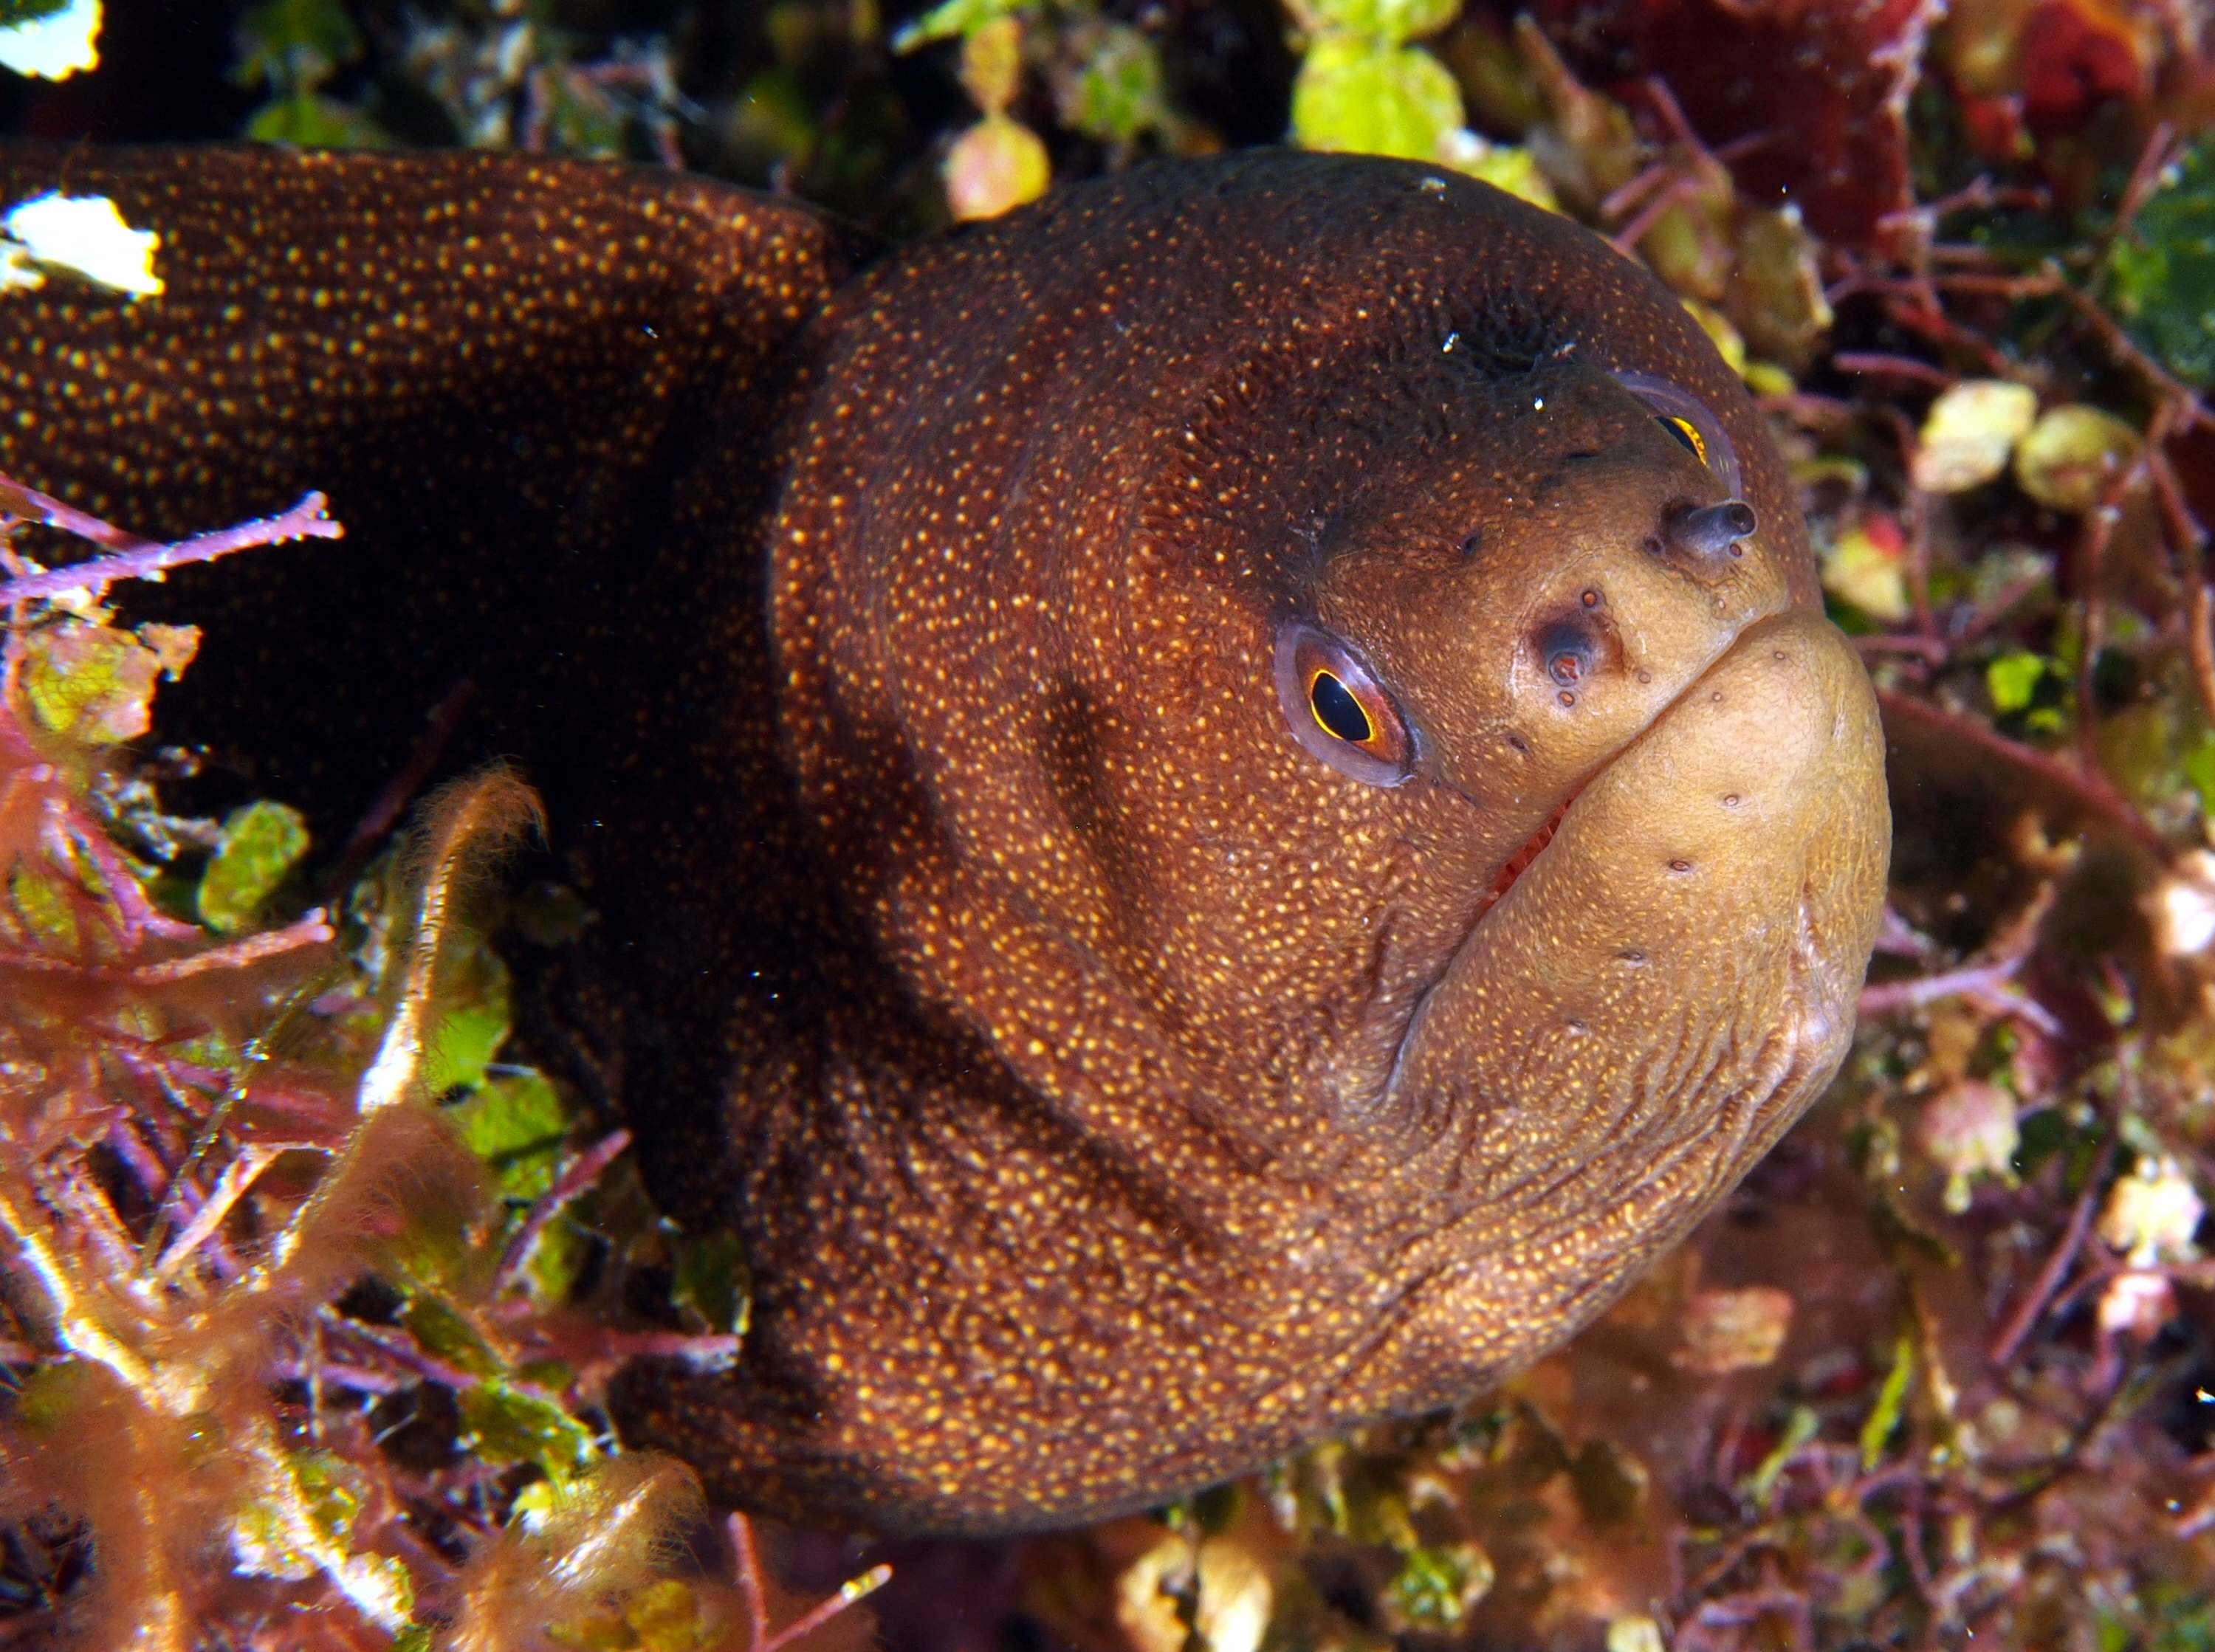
1687 434
1337 710
1690 422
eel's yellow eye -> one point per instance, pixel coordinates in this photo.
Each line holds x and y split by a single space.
1337 711
1687 434
1691 425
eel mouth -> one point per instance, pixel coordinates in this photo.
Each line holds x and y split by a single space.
1520 862
1750 807
1513 868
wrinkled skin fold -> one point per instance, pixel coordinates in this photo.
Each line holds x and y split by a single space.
1111 1094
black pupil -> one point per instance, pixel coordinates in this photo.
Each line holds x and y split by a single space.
1338 711
1675 428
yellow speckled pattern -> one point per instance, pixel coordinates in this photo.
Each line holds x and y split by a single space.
491 366
1170 1106
1111 1094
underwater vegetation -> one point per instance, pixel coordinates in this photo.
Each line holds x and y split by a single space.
246 1234
314 1283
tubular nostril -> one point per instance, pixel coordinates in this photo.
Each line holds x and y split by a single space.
1711 530
1573 646
1569 650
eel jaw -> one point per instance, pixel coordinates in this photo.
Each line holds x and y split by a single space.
1718 880
1655 996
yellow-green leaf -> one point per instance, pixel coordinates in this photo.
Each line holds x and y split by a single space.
42 908
1868 568
665 1615
1729 344
1359 97
1436 1587
996 166
1635 1632
1611 1482
992 65
1118 91
1799 1428
51 1397
2012 681
2164 268
445 1333
1776 287
311 121
332 1489
260 844
463 1045
557 1256
1504 166
711 1280
2199 764
956 19
2073 455
502 1425
1891 1398
294 45
1763 378
300 1520
516 1123
91 682
1969 432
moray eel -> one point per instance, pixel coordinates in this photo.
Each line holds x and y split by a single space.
1216 807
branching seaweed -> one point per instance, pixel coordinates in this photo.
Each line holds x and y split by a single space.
240 1226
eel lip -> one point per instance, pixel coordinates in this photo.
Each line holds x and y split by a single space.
1513 868
1756 794
1520 862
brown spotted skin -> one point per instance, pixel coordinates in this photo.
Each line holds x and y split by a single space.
1111 1095
493 368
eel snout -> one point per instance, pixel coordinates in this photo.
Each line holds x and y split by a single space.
1688 941
1650 1003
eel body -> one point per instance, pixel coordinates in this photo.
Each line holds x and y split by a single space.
1217 807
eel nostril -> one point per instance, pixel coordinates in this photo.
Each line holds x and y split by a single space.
1574 645
1711 530
1569 650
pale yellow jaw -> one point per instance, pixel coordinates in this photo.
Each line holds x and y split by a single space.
1653 999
